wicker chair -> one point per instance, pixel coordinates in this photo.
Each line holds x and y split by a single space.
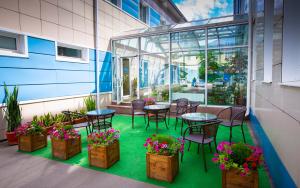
192 109
137 109
181 108
202 134
232 117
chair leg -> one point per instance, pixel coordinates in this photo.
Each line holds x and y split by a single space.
166 123
230 137
243 133
215 142
181 157
210 147
204 160
132 121
181 126
189 146
176 123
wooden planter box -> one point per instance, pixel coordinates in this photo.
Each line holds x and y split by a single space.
79 120
31 143
65 149
162 167
232 179
104 156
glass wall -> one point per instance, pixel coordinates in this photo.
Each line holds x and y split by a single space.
208 65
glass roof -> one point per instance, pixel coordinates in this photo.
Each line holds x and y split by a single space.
198 24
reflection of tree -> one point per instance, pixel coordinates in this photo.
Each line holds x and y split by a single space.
227 72
212 62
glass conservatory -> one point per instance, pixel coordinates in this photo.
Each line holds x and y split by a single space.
202 61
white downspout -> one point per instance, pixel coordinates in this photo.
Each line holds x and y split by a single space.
249 58
96 16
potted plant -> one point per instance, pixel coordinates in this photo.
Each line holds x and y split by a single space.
162 157
12 114
31 137
149 101
104 148
66 141
239 163
47 120
90 103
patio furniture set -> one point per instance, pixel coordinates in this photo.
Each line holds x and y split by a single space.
202 127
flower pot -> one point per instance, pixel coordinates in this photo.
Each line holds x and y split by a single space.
12 138
79 120
232 178
65 149
31 143
104 156
161 167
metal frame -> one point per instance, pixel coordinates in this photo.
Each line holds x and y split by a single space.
169 52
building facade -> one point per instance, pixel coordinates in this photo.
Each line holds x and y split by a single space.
47 48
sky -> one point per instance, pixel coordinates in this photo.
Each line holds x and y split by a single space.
201 9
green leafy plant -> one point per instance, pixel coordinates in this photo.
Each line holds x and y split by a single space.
90 103
12 110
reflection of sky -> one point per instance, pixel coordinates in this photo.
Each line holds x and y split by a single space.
201 9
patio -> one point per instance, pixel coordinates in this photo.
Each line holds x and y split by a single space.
132 163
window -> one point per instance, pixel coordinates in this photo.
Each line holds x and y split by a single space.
144 13
12 44
115 2
72 53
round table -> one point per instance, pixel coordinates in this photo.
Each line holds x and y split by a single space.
158 111
198 117
101 117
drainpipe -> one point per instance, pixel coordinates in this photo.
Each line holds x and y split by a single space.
96 16
249 58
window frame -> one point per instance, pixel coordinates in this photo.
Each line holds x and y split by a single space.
84 53
21 45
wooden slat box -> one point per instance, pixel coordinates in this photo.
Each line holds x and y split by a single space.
232 179
31 143
104 156
65 149
162 167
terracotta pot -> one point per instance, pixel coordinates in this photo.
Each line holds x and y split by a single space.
12 138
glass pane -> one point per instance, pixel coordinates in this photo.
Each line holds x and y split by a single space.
154 77
188 76
155 44
126 47
189 40
227 76
8 43
130 73
68 52
228 36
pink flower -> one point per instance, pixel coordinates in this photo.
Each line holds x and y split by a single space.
222 166
215 160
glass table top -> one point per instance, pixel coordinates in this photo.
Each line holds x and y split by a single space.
199 116
100 112
157 107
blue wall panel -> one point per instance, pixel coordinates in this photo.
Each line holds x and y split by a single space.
131 7
41 76
154 18
37 45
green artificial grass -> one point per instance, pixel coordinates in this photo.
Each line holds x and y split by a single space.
133 155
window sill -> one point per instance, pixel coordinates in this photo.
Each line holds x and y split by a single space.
13 54
71 60
291 84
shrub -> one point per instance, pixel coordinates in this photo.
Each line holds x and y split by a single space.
32 128
90 103
62 132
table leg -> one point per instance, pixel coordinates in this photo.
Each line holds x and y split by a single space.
148 121
156 121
